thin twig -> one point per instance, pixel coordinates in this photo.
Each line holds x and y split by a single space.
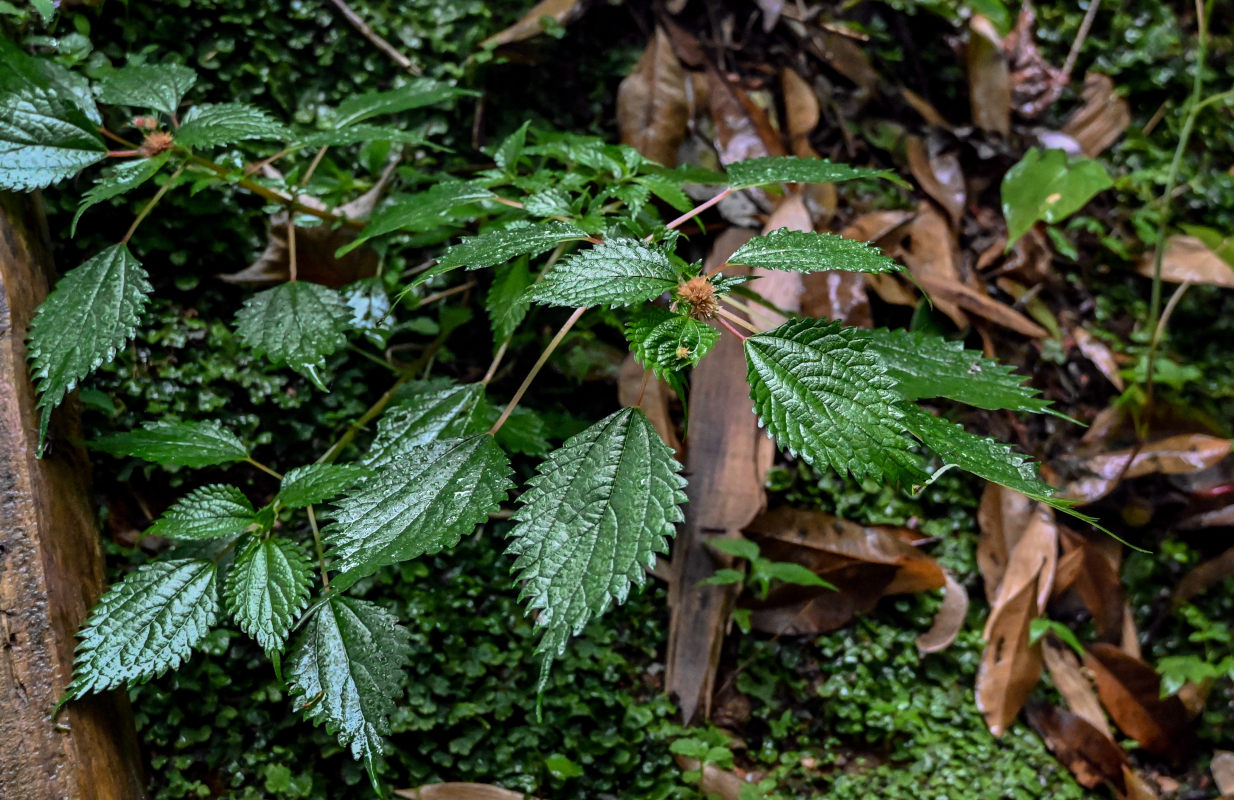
1080 36
375 38
535 369
154 201
321 554
733 318
276 475
312 167
443 294
732 330
694 212
291 247
504 346
1170 305
293 205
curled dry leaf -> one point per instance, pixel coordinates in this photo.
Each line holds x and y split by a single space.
801 112
1174 455
1187 259
1100 354
1091 755
1102 119
846 57
949 620
1137 788
1073 685
1035 85
461 791
989 80
1222 768
652 110
1130 691
939 176
563 12
1002 517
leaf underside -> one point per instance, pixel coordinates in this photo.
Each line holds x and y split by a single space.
345 670
592 520
420 503
146 625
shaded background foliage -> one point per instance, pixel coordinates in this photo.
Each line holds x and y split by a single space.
853 713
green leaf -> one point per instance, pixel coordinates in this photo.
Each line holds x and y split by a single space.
665 342
417 93
359 134
91 313
45 133
500 246
267 588
421 503
297 325
926 366
1041 626
792 169
738 548
822 395
523 432
345 670
788 572
118 180
506 301
724 577
618 272
590 522
210 512
176 444
510 150
666 189
420 212
226 123
157 86
986 458
146 625
1048 186
311 484
806 251
432 411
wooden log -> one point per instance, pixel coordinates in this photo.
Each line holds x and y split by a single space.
51 566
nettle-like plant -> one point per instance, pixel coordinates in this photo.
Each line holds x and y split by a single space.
601 506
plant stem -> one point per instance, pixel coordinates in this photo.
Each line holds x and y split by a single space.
291 247
149 206
1080 36
496 362
433 298
1194 105
731 317
376 39
689 215
360 351
374 410
732 330
535 369
273 196
552 260
276 475
122 153
737 304
321 553
312 167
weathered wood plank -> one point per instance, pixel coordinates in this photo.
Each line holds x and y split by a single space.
51 567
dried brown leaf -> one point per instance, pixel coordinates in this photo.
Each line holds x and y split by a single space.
1204 576
949 620
1100 354
1130 691
1102 119
939 176
1010 666
1187 259
562 11
1222 767
639 388
989 80
1090 754
1174 455
1002 517
1093 576
801 112
1073 685
652 110
1035 84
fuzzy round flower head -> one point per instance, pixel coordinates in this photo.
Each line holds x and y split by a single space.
698 296
155 143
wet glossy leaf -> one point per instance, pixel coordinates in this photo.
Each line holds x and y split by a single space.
311 484
416 93
618 272
665 342
430 411
420 503
419 212
176 444
148 86
225 123
1048 187
590 523
806 251
267 588
91 313
146 625
500 246
792 169
295 325
118 180
210 512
